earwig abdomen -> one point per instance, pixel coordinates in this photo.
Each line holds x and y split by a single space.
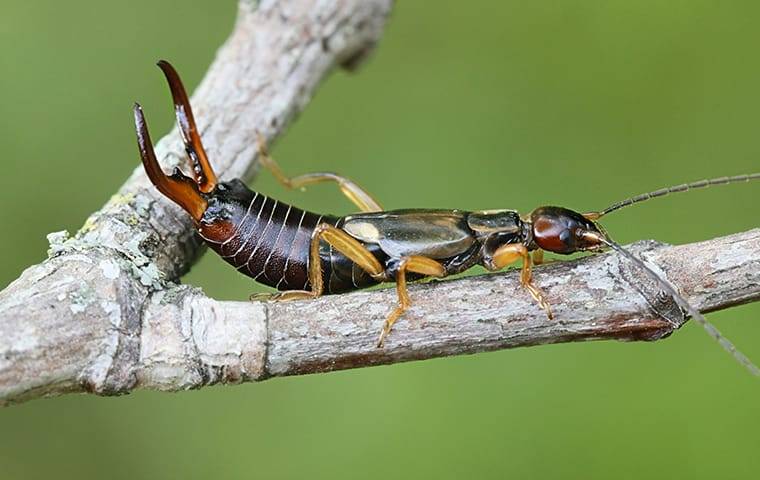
268 240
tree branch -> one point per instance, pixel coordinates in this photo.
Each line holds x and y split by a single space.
596 298
104 315
74 321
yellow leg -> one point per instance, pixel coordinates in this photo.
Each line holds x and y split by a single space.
343 243
512 252
416 264
538 257
351 190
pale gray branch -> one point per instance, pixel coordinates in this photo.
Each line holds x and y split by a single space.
74 322
104 315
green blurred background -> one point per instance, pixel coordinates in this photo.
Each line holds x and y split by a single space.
464 104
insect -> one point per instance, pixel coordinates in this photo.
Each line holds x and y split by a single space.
305 254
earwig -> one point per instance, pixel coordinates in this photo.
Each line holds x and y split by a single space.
305 255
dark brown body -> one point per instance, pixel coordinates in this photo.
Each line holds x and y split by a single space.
268 240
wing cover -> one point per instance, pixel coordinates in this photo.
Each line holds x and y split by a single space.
436 234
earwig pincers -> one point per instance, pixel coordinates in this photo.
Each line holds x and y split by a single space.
305 255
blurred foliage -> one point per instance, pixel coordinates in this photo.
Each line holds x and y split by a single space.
465 104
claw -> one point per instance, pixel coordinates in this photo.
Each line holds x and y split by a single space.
179 188
204 174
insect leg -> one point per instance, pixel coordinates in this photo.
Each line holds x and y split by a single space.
351 190
416 264
343 243
512 252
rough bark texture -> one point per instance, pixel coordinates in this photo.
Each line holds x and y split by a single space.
104 315
76 321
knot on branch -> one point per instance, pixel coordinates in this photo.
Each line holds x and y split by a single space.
661 303
190 340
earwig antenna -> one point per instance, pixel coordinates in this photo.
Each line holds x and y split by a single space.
693 312
675 189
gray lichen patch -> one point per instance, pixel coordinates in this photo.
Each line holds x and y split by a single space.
122 227
149 276
132 249
57 241
142 267
82 298
142 204
110 269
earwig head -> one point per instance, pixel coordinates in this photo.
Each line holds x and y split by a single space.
189 194
559 230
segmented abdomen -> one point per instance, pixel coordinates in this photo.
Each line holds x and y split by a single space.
269 242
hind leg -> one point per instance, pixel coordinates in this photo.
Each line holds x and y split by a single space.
357 195
341 242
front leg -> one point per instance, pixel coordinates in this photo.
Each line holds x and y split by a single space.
510 253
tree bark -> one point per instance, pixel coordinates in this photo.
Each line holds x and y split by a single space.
74 322
104 315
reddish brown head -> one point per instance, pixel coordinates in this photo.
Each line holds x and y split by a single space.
559 230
